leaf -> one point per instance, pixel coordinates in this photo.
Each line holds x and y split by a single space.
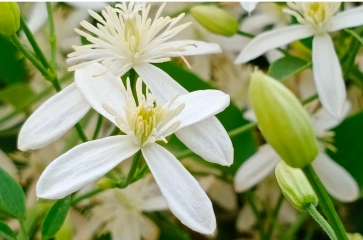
354 34
13 67
12 199
17 94
286 67
55 217
231 118
6 232
349 142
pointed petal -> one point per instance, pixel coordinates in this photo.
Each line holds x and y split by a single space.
186 199
337 181
199 105
207 138
192 48
347 19
53 119
322 120
155 203
249 6
101 89
271 40
82 165
328 75
256 168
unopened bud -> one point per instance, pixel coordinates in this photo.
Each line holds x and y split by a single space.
105 183
354 236
295 186
283 121
9 18
215 20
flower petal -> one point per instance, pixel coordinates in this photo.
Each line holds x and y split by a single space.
347 19
155 203
82 165
199 105
207 138
193 48
37 17
322 120
53 119
250 115
328 75
101 89
337 181
256 168
249 6
149 229
271 40
186 199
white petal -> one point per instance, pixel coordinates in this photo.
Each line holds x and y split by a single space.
53 119
322 120
337 181
249 6
199 105
223 194
347 19
328 75
186 199
37 17
149 229
256 168
82 165
207 138
96 6
193 48
250 115
271 40
101 89
155 203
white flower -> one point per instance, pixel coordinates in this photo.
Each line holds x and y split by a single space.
144 124
249 6
120 211
316 20
337 181
147 36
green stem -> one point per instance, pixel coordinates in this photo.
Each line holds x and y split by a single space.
86 195
98 126
81 133
130 176
321 221
39 53
325 203
23 232
242 129
52 37
309 99
48 74
274 216
250 197
294 228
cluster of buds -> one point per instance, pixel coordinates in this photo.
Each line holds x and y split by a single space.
10 18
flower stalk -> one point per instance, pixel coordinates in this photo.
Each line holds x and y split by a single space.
325 202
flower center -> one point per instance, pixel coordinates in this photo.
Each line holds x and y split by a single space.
132 35
316 15
326 140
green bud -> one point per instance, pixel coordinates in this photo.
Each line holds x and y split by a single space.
10 18
105 183
354 236
215 20
295 186
283 121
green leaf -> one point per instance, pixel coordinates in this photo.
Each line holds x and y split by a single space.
6 232
17 94
12 199
286 67
354 34
55 217
13 67
349 142
231 118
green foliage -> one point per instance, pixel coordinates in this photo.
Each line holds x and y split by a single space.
286 67
12 199
17 94
231 118
6 232
55 217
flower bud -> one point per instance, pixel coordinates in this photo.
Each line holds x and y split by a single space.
354 236
283 121
105 183
295 186
10 18
215 20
